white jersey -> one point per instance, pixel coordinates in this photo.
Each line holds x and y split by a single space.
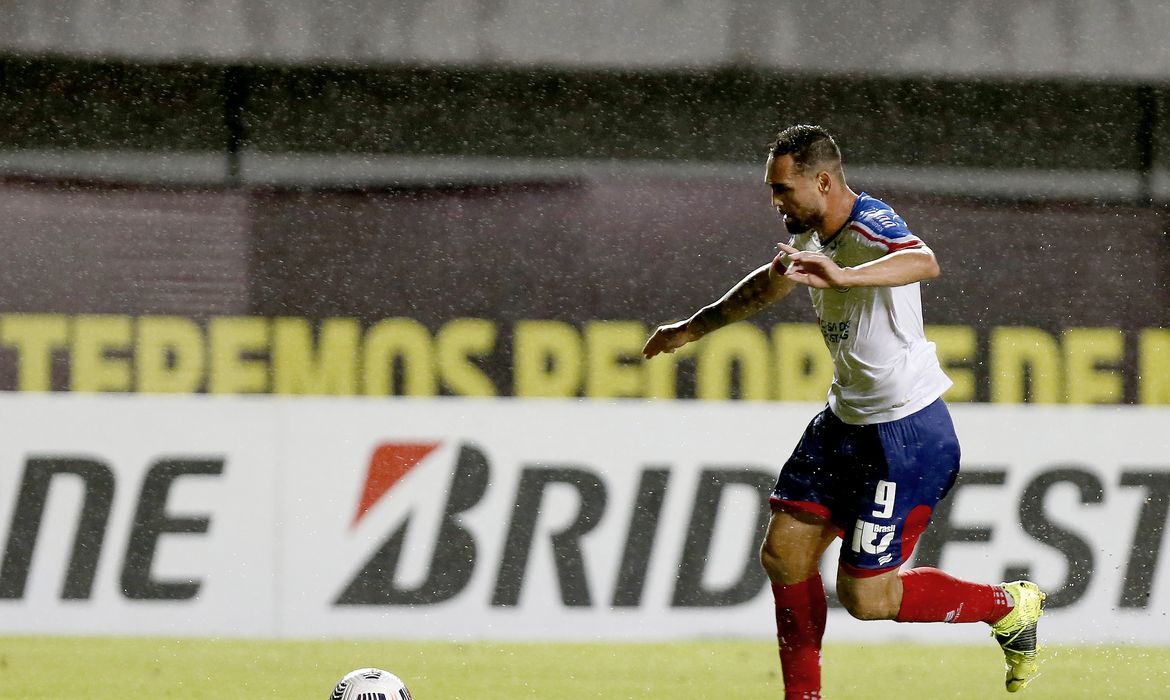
884 368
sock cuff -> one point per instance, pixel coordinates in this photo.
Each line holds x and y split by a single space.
796 593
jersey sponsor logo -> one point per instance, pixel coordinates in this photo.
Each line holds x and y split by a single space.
835 331
885 221
871 538
875 538
881 219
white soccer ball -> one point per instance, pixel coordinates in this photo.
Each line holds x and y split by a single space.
370 684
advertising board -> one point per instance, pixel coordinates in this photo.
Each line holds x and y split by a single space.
526 519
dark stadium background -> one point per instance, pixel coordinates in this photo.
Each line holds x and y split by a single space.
253 183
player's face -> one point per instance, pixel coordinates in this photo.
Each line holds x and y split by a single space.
795 195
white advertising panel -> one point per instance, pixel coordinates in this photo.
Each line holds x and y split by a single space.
130 516
513 519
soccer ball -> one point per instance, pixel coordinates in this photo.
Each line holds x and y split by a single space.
370 684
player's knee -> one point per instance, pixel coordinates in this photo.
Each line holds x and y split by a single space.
864 605
786 566
771 560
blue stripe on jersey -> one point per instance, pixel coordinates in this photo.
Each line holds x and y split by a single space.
880 219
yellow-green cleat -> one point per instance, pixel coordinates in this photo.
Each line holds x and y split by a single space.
1016 634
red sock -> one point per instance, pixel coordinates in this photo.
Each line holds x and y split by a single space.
930 595
800 625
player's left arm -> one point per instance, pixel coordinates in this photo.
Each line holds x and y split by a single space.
894 269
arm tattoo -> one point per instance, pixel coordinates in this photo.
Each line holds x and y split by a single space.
709 318
753 293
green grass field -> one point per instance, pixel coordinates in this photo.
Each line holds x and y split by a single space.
32 668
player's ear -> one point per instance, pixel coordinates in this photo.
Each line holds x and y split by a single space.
824 182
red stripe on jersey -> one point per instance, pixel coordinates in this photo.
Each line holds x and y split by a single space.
809 507
912 529
890 247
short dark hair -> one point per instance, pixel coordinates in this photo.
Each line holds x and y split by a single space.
808 144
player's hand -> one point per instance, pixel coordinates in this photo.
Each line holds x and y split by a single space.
668 338
811 268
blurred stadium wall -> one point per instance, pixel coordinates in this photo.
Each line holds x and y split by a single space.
1082 38
493 177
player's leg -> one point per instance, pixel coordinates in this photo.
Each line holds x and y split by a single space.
876 597
793 545
790 554
926 594
923 594
921 458
798 534
1012 609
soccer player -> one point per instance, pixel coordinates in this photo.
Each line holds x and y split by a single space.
872 466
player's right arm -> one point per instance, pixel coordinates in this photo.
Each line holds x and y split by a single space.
762 287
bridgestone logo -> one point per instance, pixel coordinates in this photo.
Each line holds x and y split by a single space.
457 554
